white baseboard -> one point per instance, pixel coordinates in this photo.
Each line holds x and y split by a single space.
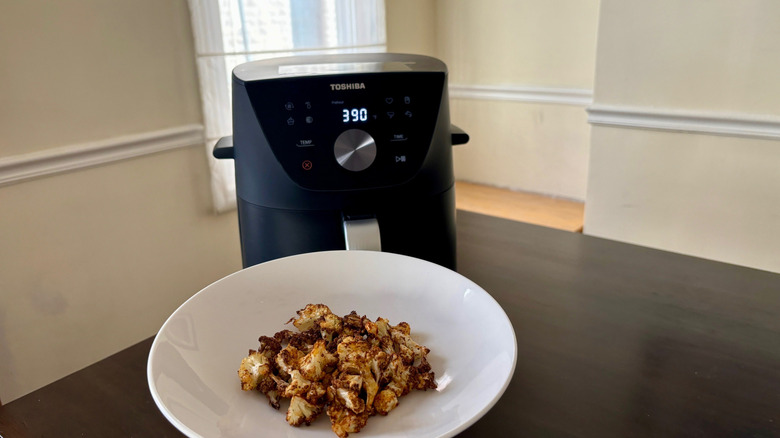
739 124
561 96
17 168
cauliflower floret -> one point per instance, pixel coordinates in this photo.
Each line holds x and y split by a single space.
358 357
351 400
411 352
317 362
378 361
254 368
317 393
382 338
397 375
353 382
298 385
302 412
351 347
313 392
343 421
309 315
424 381
288 359
274 397
346 390
370 327
330 327
269 346
280 383
403 327
424 378
371 387
352 325
383 327
385 401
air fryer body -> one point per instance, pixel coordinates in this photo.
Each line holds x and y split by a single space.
320 140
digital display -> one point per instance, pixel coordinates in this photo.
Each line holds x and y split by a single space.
354 115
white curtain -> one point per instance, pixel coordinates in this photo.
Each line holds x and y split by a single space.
231 32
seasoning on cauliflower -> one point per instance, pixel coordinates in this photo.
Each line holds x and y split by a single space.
298 385
396 376
287 360
351 400
410 351
330 327
302 412
309 315
348 367
385 401
343 421
315 363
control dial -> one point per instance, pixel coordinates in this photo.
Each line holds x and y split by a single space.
355 149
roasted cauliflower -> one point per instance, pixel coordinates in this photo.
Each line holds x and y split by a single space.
348 367
253 369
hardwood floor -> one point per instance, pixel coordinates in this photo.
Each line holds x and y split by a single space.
524 207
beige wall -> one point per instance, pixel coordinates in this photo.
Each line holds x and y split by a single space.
541 46
411 26
691 63
519 51
537 148
94 260
548 43
718 56
76 71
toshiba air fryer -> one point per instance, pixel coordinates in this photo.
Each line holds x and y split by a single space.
343 152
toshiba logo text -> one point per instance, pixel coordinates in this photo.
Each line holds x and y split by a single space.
353 86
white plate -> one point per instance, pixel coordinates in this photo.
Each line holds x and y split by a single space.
193 363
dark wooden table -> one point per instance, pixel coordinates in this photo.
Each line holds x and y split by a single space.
614 340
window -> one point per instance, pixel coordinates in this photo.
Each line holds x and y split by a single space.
231 32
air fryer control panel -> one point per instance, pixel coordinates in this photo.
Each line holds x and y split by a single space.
349 131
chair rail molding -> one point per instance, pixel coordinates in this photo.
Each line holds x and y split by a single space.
705 122
532 94
18 168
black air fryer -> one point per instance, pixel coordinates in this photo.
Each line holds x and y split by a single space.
343 152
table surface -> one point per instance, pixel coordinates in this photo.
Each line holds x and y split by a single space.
614 340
